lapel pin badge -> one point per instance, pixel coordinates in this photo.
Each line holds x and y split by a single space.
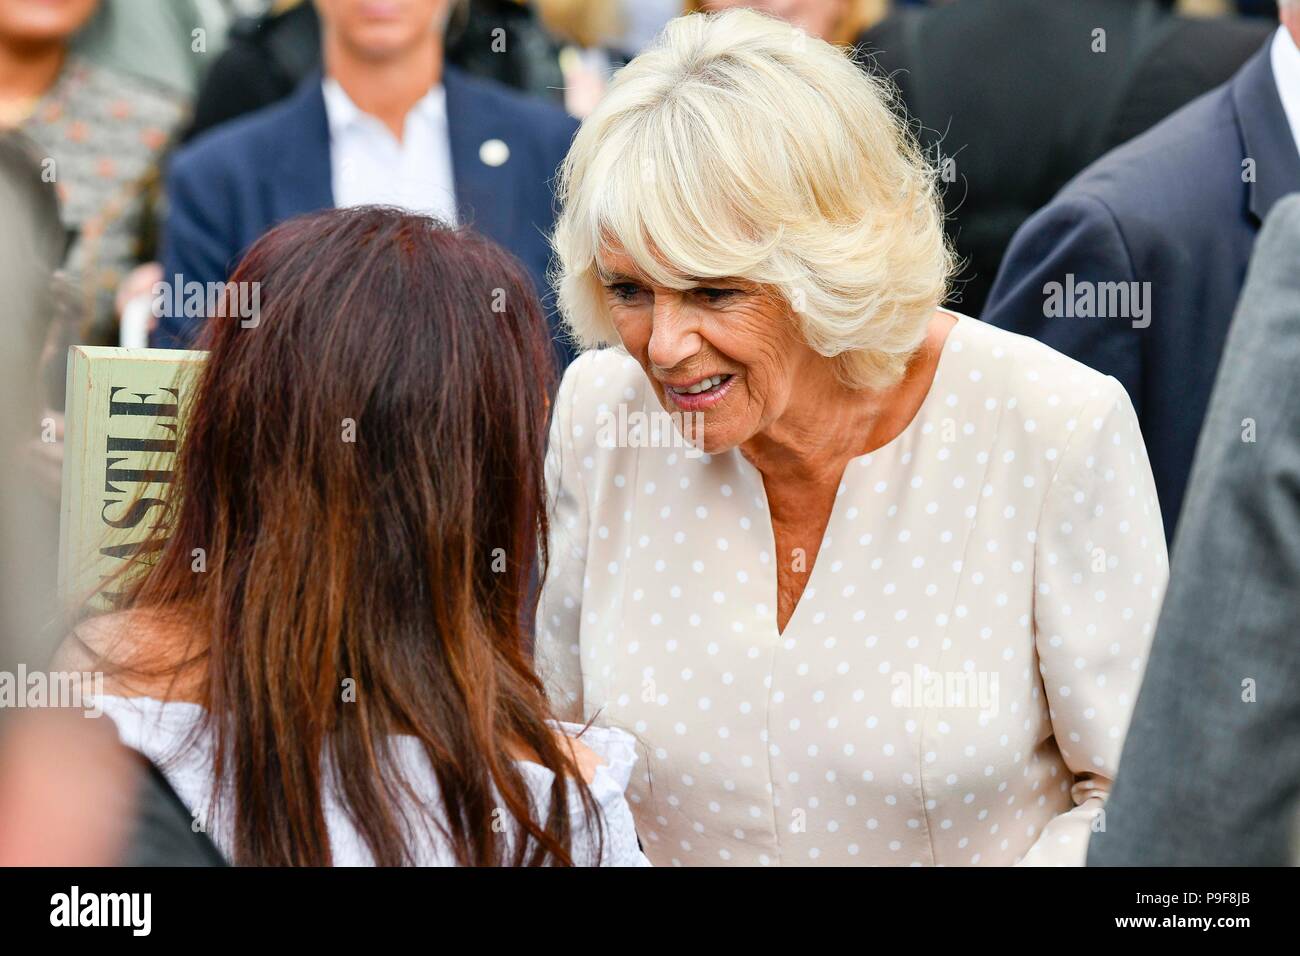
493 152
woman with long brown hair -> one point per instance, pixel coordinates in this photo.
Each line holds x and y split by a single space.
346 678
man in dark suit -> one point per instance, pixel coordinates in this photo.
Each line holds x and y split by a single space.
1015 97
1210 774
267 56
1135 268
386 123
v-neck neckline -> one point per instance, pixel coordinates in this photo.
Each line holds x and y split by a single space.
921 415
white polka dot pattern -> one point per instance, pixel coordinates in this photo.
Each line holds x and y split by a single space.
955 683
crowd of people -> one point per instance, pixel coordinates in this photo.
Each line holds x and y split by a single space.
772 424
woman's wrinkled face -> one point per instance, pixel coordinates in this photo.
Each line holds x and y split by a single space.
727 349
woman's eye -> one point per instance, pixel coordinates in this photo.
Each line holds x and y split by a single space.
624 291
716 295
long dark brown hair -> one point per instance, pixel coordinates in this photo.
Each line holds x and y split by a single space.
363 471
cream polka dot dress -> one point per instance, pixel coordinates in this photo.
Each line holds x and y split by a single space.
954 685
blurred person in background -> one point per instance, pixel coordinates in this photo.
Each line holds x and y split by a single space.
389 123
638 22
70 794
270 55
265 59
835 21
600 37
348 683
864 501
31 248
1210 774
607 33
102 133
170 43
1015 97
504 40
1150 246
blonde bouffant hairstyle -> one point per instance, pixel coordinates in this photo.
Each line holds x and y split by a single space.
738 147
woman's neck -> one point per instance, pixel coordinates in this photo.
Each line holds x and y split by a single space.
829 424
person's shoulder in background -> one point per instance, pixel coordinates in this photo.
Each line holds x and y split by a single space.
165 43
550 126
1120 210
129 102
251 140
1180 156
1191 57
264 61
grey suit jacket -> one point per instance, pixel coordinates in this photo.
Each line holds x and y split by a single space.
1210 770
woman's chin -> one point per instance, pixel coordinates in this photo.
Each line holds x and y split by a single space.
714 439
701 432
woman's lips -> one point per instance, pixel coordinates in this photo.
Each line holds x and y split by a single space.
699 401
381 10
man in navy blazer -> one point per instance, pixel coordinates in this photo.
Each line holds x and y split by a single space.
1135 267
241 178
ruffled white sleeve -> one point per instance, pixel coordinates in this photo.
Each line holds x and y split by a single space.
617 750
1100 575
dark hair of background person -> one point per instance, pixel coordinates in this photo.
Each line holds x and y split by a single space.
373 560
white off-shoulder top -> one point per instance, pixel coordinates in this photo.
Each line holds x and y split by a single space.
956 681
162 731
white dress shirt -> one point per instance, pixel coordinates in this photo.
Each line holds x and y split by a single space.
368 166
1285 60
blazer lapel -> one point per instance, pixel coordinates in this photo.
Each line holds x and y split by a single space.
302 181
485 193
1265 133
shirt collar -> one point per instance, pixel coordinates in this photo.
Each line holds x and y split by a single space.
1284 57
343 114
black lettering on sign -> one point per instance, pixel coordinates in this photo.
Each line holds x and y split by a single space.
138 404
143 407
134 515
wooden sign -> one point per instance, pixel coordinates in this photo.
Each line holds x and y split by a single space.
121 427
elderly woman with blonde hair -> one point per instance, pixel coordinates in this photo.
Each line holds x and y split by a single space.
887 594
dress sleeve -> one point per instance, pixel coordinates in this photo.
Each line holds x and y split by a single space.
617 750
1101 570
559 610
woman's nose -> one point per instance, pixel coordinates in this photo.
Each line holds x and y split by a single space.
674 337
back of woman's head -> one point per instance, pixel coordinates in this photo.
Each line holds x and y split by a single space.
361 468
